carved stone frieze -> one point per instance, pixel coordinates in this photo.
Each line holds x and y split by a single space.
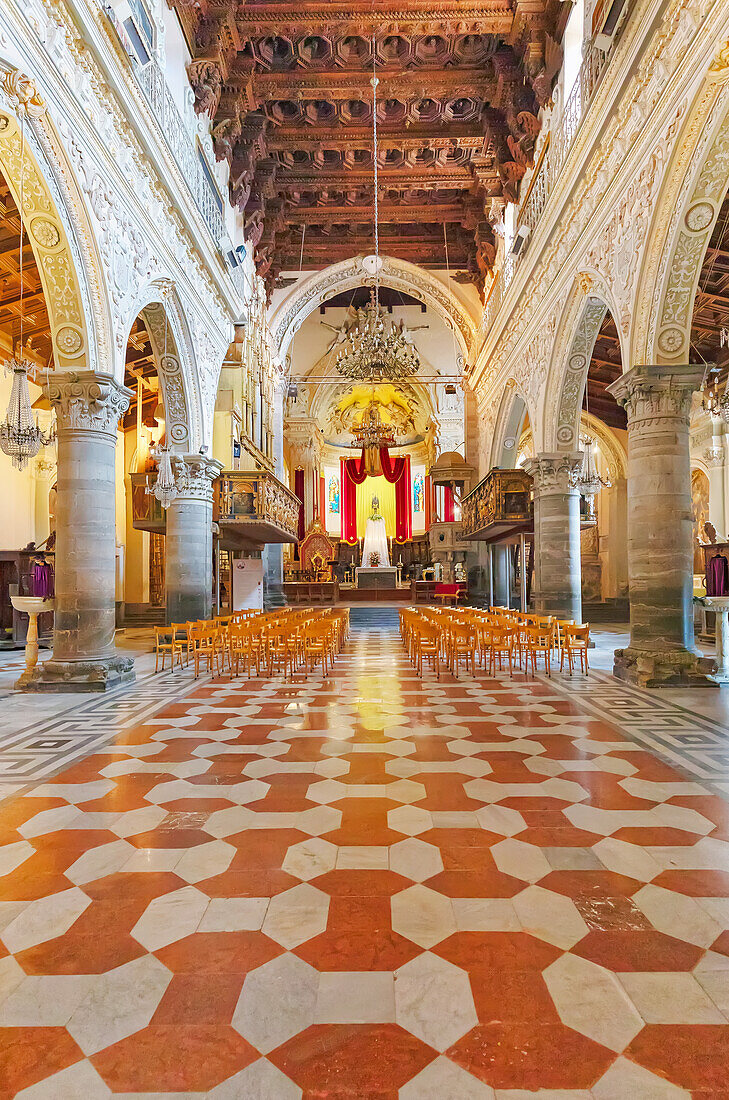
575 372
714 456
87 401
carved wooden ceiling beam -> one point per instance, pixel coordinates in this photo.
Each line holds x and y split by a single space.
455 17
388 213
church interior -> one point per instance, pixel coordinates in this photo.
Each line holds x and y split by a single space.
364 555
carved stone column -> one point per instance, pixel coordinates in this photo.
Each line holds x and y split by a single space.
189 540
557 559
273 552
88 407
657 400
502 576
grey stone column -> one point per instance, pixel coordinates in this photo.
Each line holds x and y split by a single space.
189 540
88 407
657 400
558 566
273 593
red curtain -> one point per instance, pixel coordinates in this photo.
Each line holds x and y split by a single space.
428 503
448 508
348 501
355 468
403 514
392 470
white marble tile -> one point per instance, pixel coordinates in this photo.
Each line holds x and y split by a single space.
45 1000
444 1080
152 860
716 984
415 859
11 976
310 858
45 919
317 820
550 916
277 1001
360 997
142 820
677 915
99 862
627 1081
485 915
501 819
362 857
671 998
12 855
259 1081
121 1002
410 820
205 861
170 917
433 1000
523 861
589 999
47 821
422 915
626 859
77 1081
234 915
73 792
296 915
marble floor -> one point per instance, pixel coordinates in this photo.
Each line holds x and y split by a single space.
368 886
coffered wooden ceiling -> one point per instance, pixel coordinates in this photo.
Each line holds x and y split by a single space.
288 87
32 306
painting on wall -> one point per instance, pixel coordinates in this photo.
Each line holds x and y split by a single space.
334 495
418 494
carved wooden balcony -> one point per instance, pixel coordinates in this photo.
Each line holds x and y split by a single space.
254 508
501 504
147 512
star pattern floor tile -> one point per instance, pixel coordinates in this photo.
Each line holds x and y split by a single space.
368 887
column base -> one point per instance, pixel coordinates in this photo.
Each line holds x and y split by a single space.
664 668
60 676
273 597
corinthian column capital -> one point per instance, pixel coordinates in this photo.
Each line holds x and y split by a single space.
553 473
87 401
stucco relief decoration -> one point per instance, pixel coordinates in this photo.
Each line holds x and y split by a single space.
687 257
86 401
531 371
194 476
50 245
575 375
170 372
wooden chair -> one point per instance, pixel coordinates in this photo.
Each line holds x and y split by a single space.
428 644
317 643
501 647
575 639
205 649
461 641
539 643
166 641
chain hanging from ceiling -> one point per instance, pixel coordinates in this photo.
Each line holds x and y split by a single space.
376 349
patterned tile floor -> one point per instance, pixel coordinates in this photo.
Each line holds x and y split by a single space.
369 887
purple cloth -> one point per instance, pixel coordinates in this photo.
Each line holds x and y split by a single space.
41 579
717 576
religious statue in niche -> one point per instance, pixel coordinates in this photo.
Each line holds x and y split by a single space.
418 493
334 495
375 540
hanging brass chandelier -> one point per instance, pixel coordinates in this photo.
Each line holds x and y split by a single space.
588 480
376 349
371 432
21 438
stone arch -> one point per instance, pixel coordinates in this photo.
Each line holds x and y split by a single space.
509 425
160 309
581 320
686 211
342 277
57 226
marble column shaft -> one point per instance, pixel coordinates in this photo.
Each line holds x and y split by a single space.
502 578
657 400
88 407
189 540
557 554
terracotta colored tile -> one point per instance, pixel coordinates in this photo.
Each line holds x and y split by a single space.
28 1054
219 953
487 883
361 883
531 1056
254 883
693 1056
643 950
497 951
74 954
200 998
653 837
368 1060
262 848
590 884
511 996
183 1058
695 883
359 936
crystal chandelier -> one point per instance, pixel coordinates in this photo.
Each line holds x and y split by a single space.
165 487
588 480
371 433
374 349
712 401
20 437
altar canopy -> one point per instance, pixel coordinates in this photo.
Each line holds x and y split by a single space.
354 472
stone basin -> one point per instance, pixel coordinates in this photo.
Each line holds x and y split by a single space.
32 605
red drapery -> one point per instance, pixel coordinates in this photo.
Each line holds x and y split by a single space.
448 507
397 472
299 491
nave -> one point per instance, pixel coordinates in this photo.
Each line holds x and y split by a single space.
369 885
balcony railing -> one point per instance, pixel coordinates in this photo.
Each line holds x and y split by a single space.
547 171
182 144
500 503
255 505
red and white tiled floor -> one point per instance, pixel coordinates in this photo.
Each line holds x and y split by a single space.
366 887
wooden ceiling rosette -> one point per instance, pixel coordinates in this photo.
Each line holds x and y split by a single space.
288 88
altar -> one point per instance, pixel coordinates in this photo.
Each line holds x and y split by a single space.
376 576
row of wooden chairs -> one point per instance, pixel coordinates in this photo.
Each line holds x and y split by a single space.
471 637
271 643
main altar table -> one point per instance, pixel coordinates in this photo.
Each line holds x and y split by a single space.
379 576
